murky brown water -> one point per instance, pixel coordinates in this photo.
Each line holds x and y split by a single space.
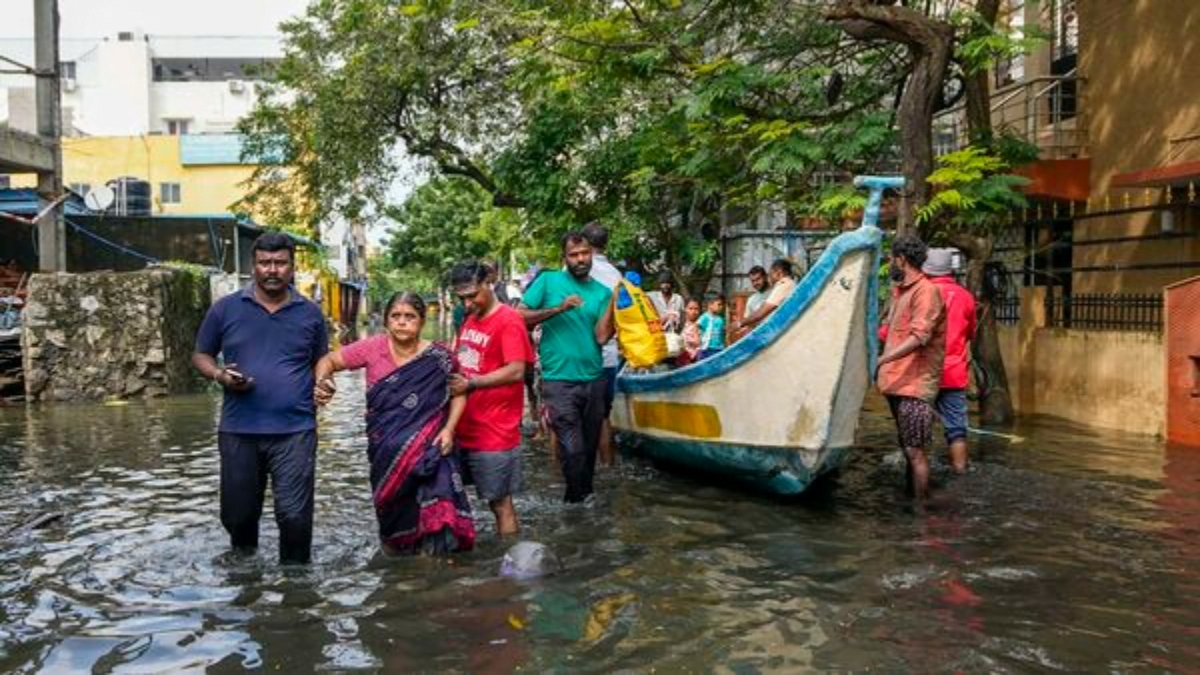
1067 551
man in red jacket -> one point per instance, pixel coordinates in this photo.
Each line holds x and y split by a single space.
951 401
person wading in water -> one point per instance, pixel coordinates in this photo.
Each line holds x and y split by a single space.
412 416
575 313
493 352
910 369
270 338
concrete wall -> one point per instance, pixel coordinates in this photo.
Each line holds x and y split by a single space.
212 107
1137 55
1106 379
119 103
1141 114
111 334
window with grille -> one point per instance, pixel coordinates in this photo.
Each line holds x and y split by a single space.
1066 29
169 193
177 127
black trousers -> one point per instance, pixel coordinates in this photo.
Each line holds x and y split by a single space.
289 460
576 413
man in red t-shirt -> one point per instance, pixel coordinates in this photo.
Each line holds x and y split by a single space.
493 350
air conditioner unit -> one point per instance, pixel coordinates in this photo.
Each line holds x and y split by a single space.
237 86
68 84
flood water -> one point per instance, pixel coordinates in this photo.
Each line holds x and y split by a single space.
1066 550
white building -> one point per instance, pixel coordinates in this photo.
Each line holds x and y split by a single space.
133 84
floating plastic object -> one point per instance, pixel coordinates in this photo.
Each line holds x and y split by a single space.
529 560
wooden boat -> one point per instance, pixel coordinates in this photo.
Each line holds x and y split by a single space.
780 407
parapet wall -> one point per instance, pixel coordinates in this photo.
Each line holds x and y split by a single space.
1105 379
111 334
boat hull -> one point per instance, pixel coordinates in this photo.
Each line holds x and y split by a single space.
781 406
779 471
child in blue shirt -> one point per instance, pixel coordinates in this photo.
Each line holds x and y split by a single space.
712 327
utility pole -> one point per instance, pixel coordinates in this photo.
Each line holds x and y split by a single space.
52 244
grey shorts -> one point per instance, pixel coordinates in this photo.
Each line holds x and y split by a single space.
496 475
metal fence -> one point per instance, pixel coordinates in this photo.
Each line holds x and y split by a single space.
1105 311
1008 310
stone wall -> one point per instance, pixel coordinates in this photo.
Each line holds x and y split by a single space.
112 334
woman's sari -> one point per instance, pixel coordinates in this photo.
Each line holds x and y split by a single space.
418 493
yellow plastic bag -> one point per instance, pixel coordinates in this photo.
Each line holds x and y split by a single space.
639 330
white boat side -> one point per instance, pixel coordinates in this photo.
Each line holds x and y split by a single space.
795 384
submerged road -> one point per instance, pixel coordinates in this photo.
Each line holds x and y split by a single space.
1069 550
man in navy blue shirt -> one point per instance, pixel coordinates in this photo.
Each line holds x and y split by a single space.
270 338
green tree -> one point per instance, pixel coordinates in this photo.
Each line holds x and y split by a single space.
437 226
386 280
657 118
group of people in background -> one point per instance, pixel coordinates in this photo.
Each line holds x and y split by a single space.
703 323
441 417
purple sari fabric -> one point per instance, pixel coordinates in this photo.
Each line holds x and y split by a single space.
418 493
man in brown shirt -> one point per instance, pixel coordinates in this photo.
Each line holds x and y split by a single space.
910 369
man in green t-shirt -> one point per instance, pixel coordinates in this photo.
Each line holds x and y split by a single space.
576 316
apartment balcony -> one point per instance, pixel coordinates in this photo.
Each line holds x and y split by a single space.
1049 112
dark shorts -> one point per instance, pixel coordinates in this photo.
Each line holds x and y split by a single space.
951 405
610 389
914 421
495 475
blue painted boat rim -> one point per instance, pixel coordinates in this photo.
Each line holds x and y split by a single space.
807 291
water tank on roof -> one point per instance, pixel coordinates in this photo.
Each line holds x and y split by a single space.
132 197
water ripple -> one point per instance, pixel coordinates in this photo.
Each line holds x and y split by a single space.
1071 551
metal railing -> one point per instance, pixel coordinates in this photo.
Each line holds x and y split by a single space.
1047 111
1007 310
1105 311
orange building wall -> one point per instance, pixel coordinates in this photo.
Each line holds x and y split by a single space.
1143 110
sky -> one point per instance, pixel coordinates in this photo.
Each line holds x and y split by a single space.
100 18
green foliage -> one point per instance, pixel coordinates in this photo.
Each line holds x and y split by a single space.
981 44
841 202
657 118
434 227
651 117
387 280
973 190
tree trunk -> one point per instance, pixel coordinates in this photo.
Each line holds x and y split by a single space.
978 103
915 118
995 398
929 42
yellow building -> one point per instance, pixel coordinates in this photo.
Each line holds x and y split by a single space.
199 174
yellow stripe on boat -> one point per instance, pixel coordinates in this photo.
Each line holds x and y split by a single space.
689 419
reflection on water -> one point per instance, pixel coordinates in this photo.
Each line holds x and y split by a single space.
1066 551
